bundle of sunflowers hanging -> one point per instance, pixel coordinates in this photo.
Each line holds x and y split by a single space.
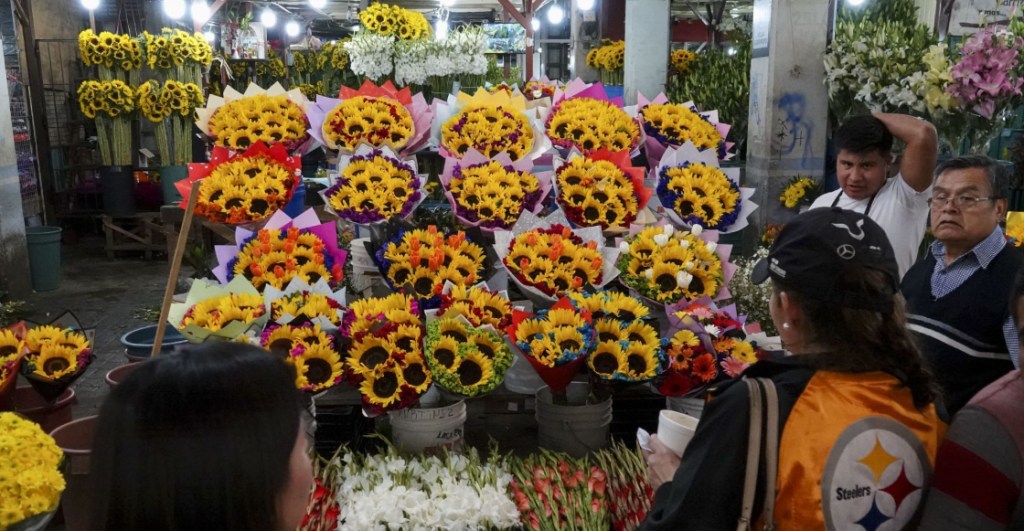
385 355
465 359
177 101
392 20
243 187
177 54
112 104
668 265
609 59
420 262
115 56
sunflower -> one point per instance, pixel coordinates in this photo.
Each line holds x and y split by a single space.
40 336
371 120
415 373
407 338
675 124
55 361
641 333
607 360
641 362
279 340
317 367
668 265
699 193
475 370
474 127
368 353
507 192
609 330
10 345
554 260
374 187
383 385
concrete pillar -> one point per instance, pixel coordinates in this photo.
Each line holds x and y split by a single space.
583 35
647 43
788 112
14 276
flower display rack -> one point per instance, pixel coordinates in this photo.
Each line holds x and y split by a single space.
140 232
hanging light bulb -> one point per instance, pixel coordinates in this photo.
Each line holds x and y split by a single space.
535 24
447 3
91 5
317 4
268 18
855 3
556 14
441 29
200 11
585 5
292 28
174 9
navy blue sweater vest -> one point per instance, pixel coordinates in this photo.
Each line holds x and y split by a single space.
961 334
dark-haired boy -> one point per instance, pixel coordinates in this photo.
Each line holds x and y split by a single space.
899 204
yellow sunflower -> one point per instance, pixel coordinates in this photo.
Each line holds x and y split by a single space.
317 368
382 386
55 361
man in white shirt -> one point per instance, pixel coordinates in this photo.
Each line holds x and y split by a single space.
899 204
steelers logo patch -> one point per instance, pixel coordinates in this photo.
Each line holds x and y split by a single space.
874 476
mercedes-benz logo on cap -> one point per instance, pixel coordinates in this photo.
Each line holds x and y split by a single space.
846 251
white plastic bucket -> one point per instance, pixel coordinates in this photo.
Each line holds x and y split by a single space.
693 407
428 428
521 377
577 428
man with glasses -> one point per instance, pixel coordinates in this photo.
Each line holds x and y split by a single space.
898 205
958 295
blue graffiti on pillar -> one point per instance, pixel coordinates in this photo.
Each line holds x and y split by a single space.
795 129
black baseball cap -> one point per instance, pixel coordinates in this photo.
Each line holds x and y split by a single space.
812 253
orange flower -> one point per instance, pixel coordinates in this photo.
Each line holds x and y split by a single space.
704 367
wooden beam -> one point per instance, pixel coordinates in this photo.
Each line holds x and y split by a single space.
197 27
511 10
19 10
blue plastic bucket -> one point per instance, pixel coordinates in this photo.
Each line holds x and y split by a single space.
297 205
139 342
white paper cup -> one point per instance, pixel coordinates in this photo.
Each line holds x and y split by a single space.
675 430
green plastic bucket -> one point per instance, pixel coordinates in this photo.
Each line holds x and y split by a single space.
44 257
168 176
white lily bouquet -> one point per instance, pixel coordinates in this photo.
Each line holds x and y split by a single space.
372 55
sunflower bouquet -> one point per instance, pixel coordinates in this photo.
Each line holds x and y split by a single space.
600 189
385 354
477 304
374 186
464 359
112 104
694 190
1015 228
680 60
800 192
489 123
491 193
283 252
221 311
171 107
706 345
302 304
667 265
537 89
10 360
30 479
546 258
555 341
310 349
395 21
271 116
55 355
667 124
115 56
584 118
377 116
242 187
628 348
420 261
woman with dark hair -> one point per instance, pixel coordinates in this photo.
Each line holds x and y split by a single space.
208 438
857 422
978 482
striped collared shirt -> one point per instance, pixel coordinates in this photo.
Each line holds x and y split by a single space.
946 278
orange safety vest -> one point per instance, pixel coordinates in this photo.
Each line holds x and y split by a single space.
854 454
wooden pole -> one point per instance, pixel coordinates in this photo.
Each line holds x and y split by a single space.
172 279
